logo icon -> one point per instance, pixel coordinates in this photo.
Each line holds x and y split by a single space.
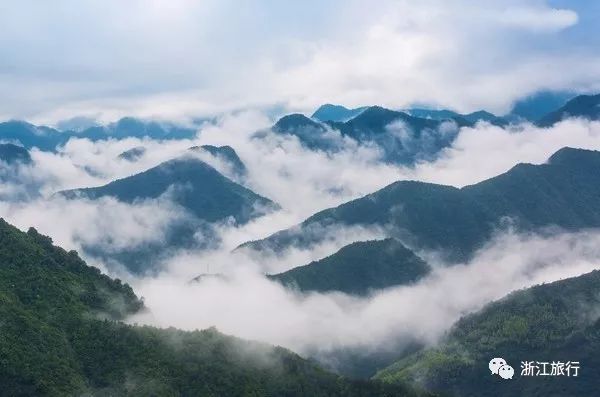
498 366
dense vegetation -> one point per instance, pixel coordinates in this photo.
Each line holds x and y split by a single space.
60 335
550 322
564 192
358 268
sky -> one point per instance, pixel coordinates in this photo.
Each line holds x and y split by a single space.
179 59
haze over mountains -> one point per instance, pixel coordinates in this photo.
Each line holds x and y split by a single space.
209 191
456 222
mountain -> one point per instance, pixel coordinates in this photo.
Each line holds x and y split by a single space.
434 114
48 139
549 322
29 135
358 268
584 106
402 138
62 334
536 106
133 154
206 195
193 184
329 112
482 115
564 192
129 127
227 155
12 154
470 118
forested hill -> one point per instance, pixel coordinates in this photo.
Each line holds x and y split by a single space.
549 322
358 268
564 192
60 335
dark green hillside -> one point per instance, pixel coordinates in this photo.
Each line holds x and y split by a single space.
550 322
195 185
358 268
60 335
563 193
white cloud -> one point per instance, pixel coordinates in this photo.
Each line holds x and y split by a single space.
248 305
179 59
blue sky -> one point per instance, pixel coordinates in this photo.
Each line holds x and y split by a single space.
178 58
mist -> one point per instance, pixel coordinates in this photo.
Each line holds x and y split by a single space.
236 297
248 305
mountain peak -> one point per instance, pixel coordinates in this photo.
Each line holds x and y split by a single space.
569 156
336 113
295 121
586 106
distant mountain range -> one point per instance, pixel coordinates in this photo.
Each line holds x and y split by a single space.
329 112
563 193
404 137
548 322
417 134
48 139
401 138
466 119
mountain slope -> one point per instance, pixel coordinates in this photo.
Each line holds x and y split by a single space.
60 335
358 268
193 184
564 192
585 106
549 322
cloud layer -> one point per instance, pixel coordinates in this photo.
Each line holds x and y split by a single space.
178 58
